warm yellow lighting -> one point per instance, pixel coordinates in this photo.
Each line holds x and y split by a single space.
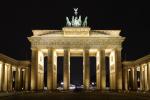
76 50
138 68
40 32
0 75
44 50
76 31
114 33
13 68
40 59
93 50
59 50
108 50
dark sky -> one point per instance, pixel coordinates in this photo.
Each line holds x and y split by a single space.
18 18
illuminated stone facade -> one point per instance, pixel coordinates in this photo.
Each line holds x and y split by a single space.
76 41
14 75
137 74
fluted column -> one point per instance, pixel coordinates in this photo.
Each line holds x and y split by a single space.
3 76
50 69
125 74
148 75
141 78
27 79
0 76
86 69
102 70
66 69
9 78
135 79
55 71
17 78
5 88
98 70
145 77
34 69
118 69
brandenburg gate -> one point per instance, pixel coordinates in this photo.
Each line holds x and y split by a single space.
76 39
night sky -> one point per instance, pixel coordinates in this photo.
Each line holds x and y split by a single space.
18 18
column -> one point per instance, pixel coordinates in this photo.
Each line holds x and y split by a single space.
86 69
125 73
98 70
27 79
141 78
66 69
9 78
118 69
50 69
145 77
34 69
1 65
126 78
29 83
5 88
55 71
102 70
3 76
135 79
17 78
148 75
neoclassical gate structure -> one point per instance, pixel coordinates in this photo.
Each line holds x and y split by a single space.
76 41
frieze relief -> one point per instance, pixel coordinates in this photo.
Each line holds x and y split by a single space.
80 42
66 41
